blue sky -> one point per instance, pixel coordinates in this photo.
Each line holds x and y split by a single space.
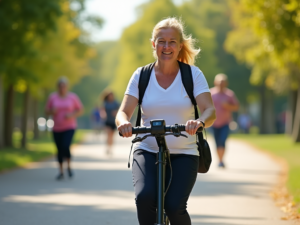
118 14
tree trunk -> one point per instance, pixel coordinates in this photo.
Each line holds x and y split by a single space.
290 113
267 122
296 124
35 107
262 124
25 118
270 117
1 114
9 116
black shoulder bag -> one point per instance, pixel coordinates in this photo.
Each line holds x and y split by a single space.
187 80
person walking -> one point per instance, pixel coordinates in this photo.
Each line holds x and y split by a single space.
97 120
64 107
165 98
244 122
225 103
111 107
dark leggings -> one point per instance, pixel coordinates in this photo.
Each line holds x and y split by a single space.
144 172
63 141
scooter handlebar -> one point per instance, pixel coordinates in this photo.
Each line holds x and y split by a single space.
172 128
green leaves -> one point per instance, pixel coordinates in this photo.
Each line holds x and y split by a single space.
39 42
274 50
21 22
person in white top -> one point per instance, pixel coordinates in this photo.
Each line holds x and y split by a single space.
165 98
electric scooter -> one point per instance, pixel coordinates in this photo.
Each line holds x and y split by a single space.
159 130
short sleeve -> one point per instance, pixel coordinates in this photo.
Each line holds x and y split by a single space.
233 99
200 83
133 85
77 102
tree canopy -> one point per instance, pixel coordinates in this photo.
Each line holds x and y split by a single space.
21 22
266 37
210 21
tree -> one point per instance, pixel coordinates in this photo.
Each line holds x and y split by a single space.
39 42
57 54
21 21
57 57
210 22
268 35
1 114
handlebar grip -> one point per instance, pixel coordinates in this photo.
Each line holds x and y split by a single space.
139 130
181 127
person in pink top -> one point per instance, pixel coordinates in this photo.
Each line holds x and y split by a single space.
225 103
64 107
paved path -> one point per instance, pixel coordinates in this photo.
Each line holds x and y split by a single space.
101 192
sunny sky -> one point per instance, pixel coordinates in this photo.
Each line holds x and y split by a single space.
118 14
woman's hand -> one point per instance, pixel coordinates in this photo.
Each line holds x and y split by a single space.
125 129
124 114
51 112
226 105
192 126
74 115
69 116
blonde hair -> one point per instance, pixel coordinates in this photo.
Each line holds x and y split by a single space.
220 77
188 51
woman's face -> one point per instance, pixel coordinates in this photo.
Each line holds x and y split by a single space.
167 44
110 97
62 88
220 83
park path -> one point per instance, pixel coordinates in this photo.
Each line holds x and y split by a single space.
101 192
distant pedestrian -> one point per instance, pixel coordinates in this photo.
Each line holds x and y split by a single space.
225 103
97 119
244 122
111 106
64 107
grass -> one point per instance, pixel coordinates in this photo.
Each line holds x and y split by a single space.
282 146
36 150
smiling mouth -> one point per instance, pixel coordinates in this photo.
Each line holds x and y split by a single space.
167 53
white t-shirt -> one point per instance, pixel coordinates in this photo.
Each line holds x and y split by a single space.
172 105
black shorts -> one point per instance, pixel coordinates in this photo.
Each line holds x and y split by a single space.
111 125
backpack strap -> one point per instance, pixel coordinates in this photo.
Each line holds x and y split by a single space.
188 83
143 83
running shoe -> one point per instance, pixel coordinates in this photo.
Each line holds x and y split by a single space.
221 165
60 176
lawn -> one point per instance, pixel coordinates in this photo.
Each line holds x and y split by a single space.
36 150
282 146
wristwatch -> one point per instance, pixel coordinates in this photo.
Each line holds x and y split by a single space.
202 123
